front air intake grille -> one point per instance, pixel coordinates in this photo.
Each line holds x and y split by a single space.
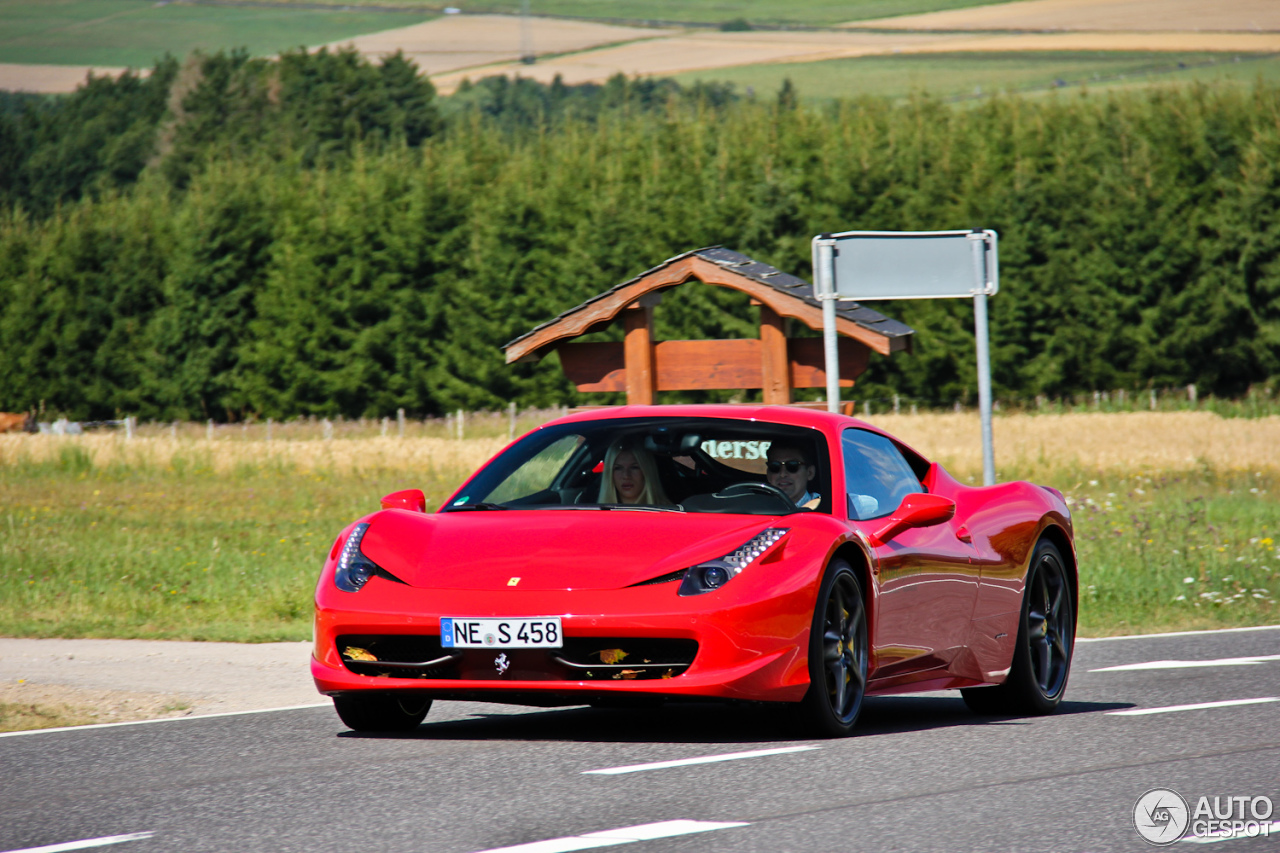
626 658
398 656
581 659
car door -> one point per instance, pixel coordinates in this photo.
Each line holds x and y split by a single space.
925 579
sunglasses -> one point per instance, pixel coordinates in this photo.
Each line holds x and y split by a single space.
791 465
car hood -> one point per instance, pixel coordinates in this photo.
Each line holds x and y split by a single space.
548 549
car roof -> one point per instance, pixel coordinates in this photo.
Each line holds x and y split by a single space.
786 415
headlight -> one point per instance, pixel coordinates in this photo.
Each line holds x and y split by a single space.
354 568
714 574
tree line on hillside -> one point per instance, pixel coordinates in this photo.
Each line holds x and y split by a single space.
325 236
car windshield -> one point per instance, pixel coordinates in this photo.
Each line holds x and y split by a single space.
697 465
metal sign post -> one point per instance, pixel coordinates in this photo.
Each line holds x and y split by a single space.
868 265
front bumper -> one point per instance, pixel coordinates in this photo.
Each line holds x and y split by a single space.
751 642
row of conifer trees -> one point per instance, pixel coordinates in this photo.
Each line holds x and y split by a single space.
322 236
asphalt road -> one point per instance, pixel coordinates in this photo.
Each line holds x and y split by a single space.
922 773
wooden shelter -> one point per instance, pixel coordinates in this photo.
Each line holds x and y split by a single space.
773 362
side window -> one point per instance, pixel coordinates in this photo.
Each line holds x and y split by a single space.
876 475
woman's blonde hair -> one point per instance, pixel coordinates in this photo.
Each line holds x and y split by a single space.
652 494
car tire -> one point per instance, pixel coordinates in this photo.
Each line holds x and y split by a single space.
1041 664
381 713
838 655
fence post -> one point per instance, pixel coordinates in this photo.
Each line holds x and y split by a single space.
897 407
1153 399
386 423
400 421
268 430
459 424
173 430
328 429
128 427
511 420
1191 393
208 430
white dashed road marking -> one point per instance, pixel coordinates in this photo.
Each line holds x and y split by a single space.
1187 664
1134 712
86 843
610 837
706 759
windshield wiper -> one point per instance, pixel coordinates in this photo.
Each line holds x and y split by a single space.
482 505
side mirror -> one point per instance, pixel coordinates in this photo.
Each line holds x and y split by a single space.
410 499
916 510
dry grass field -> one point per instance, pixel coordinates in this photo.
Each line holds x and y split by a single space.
1041 446
466 41
1098 15
50 79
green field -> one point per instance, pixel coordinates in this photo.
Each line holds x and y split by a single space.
765 12
137 32
970 75
177 551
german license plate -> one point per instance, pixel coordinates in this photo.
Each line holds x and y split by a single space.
541 632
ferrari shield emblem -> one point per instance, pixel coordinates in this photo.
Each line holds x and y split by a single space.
513 581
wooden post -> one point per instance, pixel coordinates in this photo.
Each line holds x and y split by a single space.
638 348
775 366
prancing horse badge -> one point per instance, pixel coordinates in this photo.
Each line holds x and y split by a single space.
501 664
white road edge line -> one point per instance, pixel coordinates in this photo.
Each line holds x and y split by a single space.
706 759
1187 664
86 843
1134 712
1220 836
1177 634
610 837
161 720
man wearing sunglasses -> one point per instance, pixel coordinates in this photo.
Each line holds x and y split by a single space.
788 471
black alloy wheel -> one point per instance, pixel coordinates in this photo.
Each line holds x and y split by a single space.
381 713
1046 639
838 655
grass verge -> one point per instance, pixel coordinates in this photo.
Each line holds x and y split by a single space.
1177 520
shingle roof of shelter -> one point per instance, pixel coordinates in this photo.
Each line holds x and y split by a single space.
787 294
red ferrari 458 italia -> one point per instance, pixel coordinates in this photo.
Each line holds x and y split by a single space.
736 553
